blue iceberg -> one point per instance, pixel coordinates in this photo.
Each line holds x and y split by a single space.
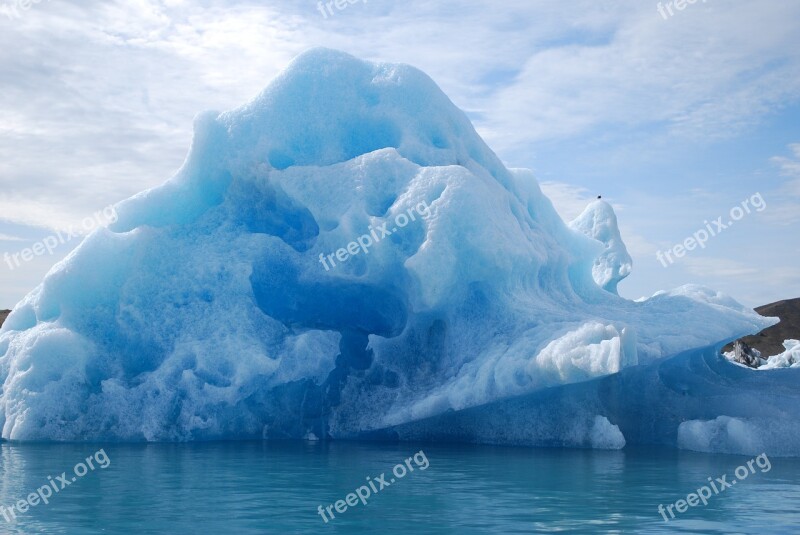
339 258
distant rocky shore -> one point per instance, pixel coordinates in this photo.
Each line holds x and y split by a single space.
770 341
3 315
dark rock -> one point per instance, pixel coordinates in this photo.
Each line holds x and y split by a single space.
744 354
3 315
770 341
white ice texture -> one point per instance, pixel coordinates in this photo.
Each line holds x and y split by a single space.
790 358
599 222
205 311
741 436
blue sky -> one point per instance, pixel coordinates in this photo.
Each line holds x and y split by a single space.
674 121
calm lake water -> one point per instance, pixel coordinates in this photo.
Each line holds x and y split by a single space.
259 487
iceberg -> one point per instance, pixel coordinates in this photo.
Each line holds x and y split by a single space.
339 258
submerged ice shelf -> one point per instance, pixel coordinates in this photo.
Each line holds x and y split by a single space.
204 312
695 400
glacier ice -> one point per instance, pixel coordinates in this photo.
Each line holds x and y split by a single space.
696 400
204 311
599 222
788 359
722 434
605 435
774 434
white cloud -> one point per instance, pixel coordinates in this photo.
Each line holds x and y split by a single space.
97 97
107 90
569 200
693 74
722 268
745 279
785 210
6 237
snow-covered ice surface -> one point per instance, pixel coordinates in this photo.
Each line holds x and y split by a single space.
205 312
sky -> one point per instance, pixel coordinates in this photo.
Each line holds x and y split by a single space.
677 120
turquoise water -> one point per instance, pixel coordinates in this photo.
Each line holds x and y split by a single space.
259 487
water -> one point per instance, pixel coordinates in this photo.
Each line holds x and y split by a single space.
259 487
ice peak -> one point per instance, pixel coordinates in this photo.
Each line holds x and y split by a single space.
599 221
329 107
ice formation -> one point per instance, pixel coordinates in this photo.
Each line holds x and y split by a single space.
605 435
599 222
696 400
722 434
235 301
788 359
774 434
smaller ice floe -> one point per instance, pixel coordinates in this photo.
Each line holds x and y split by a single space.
773 434
788 359
605 435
